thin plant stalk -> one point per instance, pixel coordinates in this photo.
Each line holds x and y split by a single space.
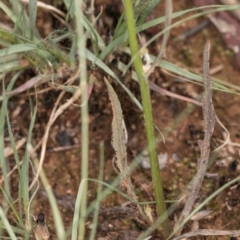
147 111
81 44
99 191
168 12
3 164
61 235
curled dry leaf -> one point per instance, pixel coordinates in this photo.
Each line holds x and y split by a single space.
119 141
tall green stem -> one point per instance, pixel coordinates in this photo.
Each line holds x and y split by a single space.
147 111
81 43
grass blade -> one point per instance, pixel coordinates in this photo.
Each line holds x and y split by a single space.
17 48
148 120
7 225
77 210
81 43
52 200
25 164
99 190
146 8
91 57
32 16
118 40
8 11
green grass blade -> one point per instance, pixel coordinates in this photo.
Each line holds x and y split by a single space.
11 204
113 188
141 12
120 38
91 57
113 44
10 62
146 7
186 74
25 164
148 120
17 48
94 34
81 47
4 106
7 36
99 190
42 53
7 225
3 160
77 210
8 11
23 172
70 7
2 124
22 22
10 66
118 30
218 84
213 9
61 235
32 16
202 204
15 230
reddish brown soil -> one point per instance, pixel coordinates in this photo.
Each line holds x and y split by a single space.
63 167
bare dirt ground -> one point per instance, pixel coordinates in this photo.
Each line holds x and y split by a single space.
62 167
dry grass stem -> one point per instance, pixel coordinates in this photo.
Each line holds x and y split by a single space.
54 115
168 12
208 127
209 232
47 7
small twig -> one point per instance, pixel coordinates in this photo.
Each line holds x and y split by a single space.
168 12
216 69
163 91
194 30
65 148
47 7
39 91
92 9
225 142
71 80
8 151
229 143
209 232
54 115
